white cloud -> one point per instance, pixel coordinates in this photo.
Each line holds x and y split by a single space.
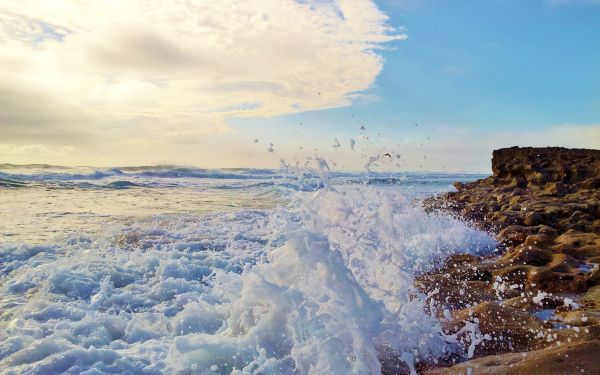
98 71
39 150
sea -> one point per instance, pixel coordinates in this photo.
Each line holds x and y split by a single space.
182 270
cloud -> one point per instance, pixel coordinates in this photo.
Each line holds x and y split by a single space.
150 69
39 150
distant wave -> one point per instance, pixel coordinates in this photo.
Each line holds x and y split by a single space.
55 176
48 173
243 186
11 183
209 173
122 185
166 176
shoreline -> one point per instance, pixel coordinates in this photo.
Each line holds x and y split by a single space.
537 301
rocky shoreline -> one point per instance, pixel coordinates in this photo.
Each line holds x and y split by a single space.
537 302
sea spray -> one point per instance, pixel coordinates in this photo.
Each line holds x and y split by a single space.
349 262
321 284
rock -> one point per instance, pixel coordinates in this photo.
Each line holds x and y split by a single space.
456 260
592 296
594 279
520 182
555 189
566 359
543 205
545 234
517 274
533 218
514 234
509 329
455 292
530 255
549 164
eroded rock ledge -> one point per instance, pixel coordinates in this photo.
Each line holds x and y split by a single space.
541 294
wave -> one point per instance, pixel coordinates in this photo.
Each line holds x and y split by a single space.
122 185
208 173
12 183
323 284
32 174
59 176
40 173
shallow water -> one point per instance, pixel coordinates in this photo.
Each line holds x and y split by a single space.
183 270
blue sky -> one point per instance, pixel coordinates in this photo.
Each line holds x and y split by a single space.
442 83
478 68
495 64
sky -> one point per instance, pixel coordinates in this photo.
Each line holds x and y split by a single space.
436 84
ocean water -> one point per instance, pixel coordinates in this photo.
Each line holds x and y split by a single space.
153 270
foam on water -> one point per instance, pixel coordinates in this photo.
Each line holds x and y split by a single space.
322 284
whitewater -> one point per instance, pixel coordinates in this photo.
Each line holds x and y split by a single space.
173 270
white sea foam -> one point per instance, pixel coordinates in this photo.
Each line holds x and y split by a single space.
321 285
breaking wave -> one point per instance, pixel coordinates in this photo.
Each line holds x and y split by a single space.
321 284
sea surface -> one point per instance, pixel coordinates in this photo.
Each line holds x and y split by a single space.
180 270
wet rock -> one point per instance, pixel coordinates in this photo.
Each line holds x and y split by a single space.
447 290
530 255
509 329
532 219
459 185
543 204
544 234
514 234
594 278
564 359
592 297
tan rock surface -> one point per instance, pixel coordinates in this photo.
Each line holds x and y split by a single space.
577 358
543 206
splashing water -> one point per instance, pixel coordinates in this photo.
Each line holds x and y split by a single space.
319 284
